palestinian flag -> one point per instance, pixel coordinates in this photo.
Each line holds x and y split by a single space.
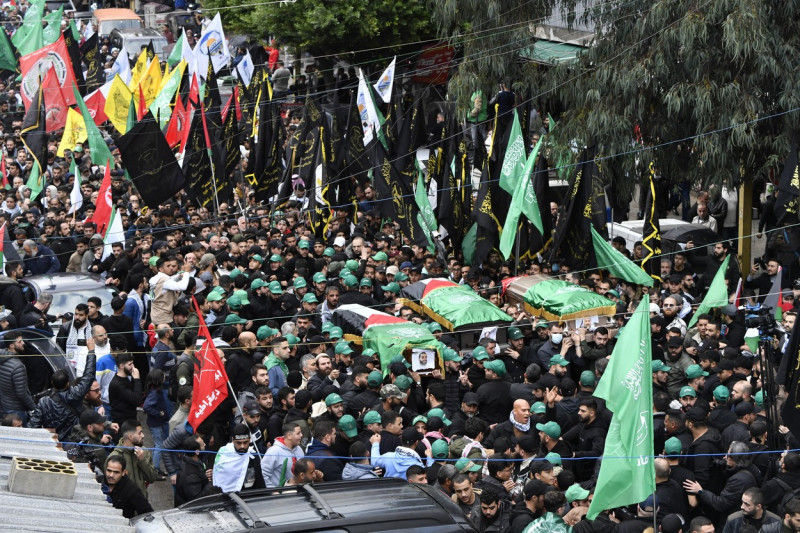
7 250
452 305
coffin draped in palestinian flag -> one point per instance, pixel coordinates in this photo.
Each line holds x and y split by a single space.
555 299
388 335
452 305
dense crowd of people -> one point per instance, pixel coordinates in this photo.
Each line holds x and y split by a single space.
510 431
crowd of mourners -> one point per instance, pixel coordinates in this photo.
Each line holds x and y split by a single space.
510 431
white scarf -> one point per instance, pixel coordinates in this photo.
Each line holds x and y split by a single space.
230 468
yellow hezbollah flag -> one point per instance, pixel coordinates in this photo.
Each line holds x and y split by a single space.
150 82
74 132
138 70
117 103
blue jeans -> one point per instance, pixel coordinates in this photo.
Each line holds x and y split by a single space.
159 434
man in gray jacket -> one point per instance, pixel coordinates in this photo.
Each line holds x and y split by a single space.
14 394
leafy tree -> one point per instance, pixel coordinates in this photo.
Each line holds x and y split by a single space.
711 83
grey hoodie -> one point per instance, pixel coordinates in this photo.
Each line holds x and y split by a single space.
358 471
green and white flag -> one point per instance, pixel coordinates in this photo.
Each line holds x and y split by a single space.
609 258
176 54
514 160
627 473
427 220
52 32
114 233
75 195
717 295
8 61
371 118
523 198
28 37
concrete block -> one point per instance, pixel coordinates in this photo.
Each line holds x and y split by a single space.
43 477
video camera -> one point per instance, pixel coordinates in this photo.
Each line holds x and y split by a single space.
761 318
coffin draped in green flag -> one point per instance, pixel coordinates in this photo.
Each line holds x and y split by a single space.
608 258
392 339
717 295
627 473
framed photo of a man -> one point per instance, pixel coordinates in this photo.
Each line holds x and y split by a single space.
423 360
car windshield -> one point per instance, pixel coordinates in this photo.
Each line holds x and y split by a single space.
65 302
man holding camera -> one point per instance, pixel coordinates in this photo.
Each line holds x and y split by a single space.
762 277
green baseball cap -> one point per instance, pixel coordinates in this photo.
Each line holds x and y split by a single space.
466 465
380 256
551 429
419 418
403 382
695 371
759 398
721 393
242 295
368 352
257 257
400 276
437 412
234 302
687 391
673 446
659 366
310 298
264 332
257 284
539 408
275 287
299 283
292 339
319 277
553 458
351 265
332 399
275 258
393 287
449 354
214 297
372 417
235 273
303 244
233 319
588 378
365 282
440 450
514 334
327 327
558 360
343 273
400 358
576 493
351 281
434 326
328 252
497 366
343 348
219 289
480 353
336 332
375 378
348 426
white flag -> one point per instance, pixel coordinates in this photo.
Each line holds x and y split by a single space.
212 46
385 83
245 69
114 234
75 196
121 67
366 110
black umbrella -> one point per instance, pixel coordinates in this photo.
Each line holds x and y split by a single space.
699 235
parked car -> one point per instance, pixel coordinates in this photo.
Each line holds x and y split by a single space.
389 505
68 290
105 20
132 41
42 357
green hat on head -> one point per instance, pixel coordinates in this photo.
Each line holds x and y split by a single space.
721 393
380 256
480 353
372 417
234 320
400 276
351 265
336 332
400 358
695 371
332 399
256 257
375 379
588 378
153 261
328 252
242 294
419 418
466 465
319 277
576 493
299 283
440 450
234 302
403 382
497 366
327 327
275 258
553 458
219 289
348 426
264 332
214 297
759 398
673 446
310 298
434 326
235 273
439 413
687 391
368 352
551 429
392 287
343 273
449 354
514 334
343 348
558 360
351 281
659 366
275 287
303 244
365 282
257 284
539 408
292 339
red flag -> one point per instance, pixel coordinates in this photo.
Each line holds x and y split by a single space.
34 65
56 107
102 212
194 93
210 379
178 125
5 184
142 111
96 104
227 108
238 107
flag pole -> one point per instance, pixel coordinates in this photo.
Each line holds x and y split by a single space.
516 252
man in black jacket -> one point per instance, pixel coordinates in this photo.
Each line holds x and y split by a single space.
14 394
62 409
11 296
587 438
125 390
122 491
192 481
493 398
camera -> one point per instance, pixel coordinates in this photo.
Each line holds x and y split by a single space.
81 342
760 262
762 318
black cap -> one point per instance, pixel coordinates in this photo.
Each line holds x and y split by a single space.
89 416
412 435
696 414
744 408
471 398
302 398
534 487
528 444
675 342
658 321
672 523
725 364
275 244
250 407
241 432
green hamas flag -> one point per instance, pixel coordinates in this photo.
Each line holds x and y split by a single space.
8 61
468 244
514 160
28 38
717 294
523 200
608 258
53 30
627 473
426 218
460 306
